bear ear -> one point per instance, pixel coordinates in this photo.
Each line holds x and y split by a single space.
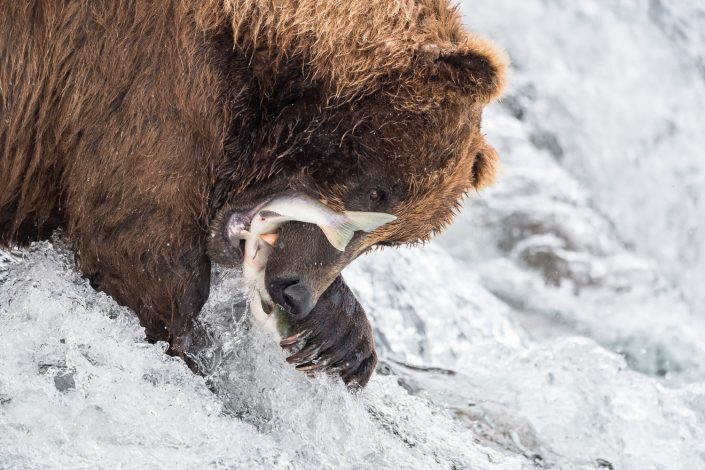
477 67
484 167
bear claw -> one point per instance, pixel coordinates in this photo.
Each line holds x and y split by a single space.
297 339
335 338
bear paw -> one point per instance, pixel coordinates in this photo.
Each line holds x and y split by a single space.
335 337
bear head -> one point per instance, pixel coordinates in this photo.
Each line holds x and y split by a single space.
374 106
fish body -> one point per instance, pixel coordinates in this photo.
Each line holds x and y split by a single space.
338 227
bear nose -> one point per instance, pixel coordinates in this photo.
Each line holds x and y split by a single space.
292 294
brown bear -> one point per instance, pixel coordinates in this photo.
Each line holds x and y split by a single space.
138 126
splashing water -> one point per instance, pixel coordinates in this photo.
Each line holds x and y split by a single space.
80 387
557 324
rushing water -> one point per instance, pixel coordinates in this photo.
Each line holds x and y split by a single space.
558 324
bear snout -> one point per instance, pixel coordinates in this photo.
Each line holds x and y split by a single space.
301 266
293 295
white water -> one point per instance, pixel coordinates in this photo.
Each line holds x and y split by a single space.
558 324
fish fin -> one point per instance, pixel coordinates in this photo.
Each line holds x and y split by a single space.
368 221
341 235
269 238
268 213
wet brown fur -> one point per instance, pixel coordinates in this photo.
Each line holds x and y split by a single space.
130 125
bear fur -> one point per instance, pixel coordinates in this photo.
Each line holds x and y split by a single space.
135 127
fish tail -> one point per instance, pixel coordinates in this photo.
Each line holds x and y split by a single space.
341 235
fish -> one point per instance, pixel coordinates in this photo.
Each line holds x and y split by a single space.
338 227
261 235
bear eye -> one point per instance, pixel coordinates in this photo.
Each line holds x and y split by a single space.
377 195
